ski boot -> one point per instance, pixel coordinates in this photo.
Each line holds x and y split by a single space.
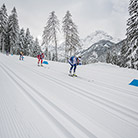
70 74
74 75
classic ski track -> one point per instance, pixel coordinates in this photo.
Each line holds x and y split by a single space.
127 109
107 103
10 119
101 70
93 97
34 101
4 111
68 84
17 131
46 74
106 85
13 118
13 121
65 115
110 87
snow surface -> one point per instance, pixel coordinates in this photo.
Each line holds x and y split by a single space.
44 102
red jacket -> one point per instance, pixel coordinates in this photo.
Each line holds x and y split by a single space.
40 56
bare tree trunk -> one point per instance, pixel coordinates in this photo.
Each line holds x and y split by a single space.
0 42
3 48
66 52
70 52
47 53
55 47
11 50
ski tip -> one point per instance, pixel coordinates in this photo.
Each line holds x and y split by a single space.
70 75
40 65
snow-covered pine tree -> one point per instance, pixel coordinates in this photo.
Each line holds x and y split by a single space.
3 27
28 43
49 55
50 33
72 41
132 36
31 45
66 27
114 58
36 48
53 57
75 41
13 31
108 57
46 53
123 52
21 40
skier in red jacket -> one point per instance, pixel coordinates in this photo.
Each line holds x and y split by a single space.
40 58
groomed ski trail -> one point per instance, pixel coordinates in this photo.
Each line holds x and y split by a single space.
55 113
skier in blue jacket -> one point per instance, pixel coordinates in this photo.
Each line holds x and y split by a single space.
74 61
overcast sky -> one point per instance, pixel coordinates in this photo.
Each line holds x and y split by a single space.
89 15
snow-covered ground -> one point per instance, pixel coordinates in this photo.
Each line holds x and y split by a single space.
44 102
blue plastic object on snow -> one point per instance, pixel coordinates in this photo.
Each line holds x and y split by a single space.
45 62
134 83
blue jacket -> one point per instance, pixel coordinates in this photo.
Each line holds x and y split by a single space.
73 61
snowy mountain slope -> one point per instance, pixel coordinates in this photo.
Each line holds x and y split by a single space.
97 52
96 37
40 102
118 46
85 43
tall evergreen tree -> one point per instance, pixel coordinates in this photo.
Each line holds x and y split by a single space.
132 36
46 53
67 21
36 48
123 54
28 43
13 31
53 57
108 57
31 46
49 55
3 27
72 41
50 32
21 40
